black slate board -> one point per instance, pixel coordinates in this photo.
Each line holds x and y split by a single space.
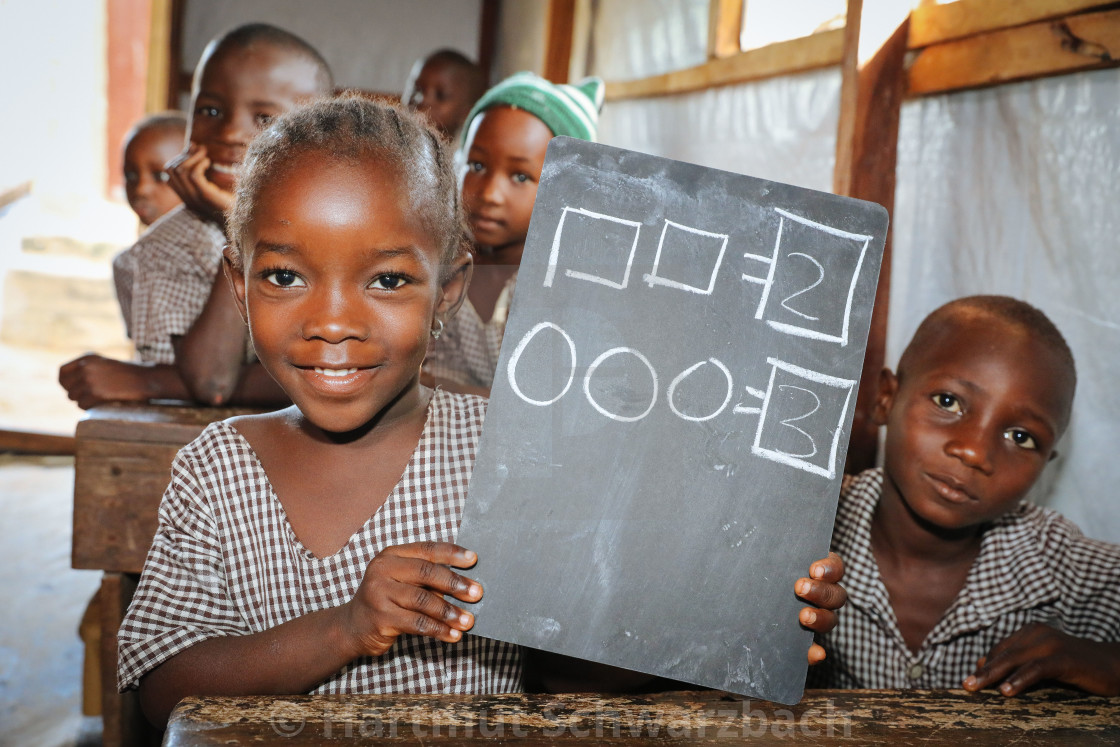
668 423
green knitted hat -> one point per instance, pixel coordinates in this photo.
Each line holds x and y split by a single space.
571 110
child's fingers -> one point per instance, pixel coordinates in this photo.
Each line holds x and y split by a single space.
179 167
445 553
380 616
1038 652
216 197
816 654
1014 672
177 162
830 596
186 172
817 620
1017 662
829 570
428 613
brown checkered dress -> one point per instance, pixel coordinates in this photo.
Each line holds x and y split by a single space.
225 561
467 351
164 279
1034 566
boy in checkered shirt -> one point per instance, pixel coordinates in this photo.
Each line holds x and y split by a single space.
953 579
172 276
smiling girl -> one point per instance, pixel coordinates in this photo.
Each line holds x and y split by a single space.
310 549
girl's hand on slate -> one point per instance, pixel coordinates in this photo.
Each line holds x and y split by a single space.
1038 652
402 592
823 590
187 176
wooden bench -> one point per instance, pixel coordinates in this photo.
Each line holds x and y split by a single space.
122 466
823 717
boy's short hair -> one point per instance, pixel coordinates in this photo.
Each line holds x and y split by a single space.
565 109
346 128
169 120
1004 308
245 36
476 81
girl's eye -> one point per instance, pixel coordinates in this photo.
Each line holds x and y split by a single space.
1021 438
947 402
131 177
475 166
520 178
207 111
387 282
284 279
162 176
263 120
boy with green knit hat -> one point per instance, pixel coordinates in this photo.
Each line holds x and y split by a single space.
504 141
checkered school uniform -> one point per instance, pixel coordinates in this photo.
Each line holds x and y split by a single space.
225 561
164 279
1034 566
467 351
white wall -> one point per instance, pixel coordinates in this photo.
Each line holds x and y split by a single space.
370 44
53 128
520 42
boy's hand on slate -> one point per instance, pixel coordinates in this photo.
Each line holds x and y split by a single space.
92 380
187 175
403 590
822 589
1038 652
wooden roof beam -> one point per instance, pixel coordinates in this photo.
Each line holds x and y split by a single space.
1064 45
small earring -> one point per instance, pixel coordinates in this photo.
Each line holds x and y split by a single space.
438 330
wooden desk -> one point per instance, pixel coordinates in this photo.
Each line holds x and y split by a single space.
824 717
122 466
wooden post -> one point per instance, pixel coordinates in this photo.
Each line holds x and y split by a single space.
725 26
178 81
160 72
866 154
558 43
128 24
487 36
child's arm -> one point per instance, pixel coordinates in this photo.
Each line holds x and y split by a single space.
93 380
211 356
1039 652
401 592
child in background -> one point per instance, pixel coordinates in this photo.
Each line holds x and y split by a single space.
148 147
507 134
953 579
245 77
443 87
311 549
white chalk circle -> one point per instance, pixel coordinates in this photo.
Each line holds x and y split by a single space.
683 375
511 369
600 408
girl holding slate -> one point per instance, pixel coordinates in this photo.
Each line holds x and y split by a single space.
311 549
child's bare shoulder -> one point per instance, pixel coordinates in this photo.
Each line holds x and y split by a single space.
263 425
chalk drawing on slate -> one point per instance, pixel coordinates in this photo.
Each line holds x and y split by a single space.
667 428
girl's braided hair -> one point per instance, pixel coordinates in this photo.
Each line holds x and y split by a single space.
357 130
